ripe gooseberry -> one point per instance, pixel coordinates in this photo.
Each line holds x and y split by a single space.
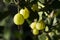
18 19
25 13
33 25
35 31
40 25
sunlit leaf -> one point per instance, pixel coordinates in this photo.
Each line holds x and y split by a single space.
41 5
54 21
46 28
46 13
51 34
40 15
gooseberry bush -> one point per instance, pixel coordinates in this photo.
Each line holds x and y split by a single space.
30 19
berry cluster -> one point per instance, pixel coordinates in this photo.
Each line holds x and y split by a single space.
20 16
36 26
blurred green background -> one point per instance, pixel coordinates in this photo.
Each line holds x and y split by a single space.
10 31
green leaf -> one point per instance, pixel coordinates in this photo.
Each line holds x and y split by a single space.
18 34
29 22
6 1
4 21
54 21
51 34
42 1
42 36
3 16
7 34
49 20
7 28
40 15
46 14
40 4
46 28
